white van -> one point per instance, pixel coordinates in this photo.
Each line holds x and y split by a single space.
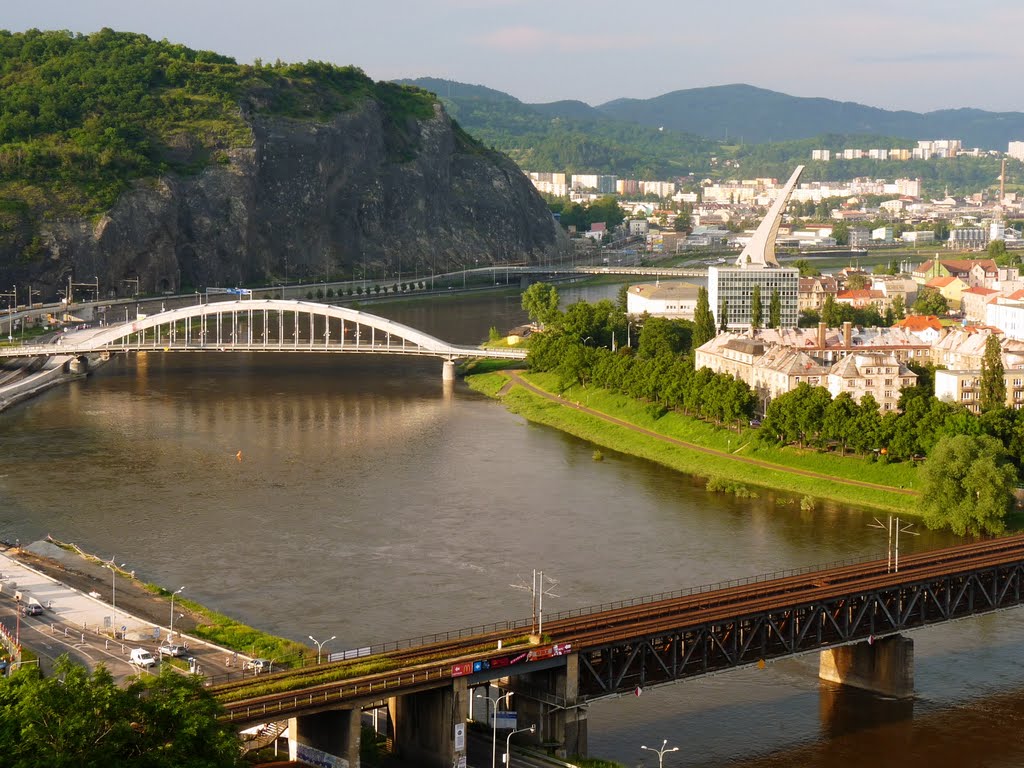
141 657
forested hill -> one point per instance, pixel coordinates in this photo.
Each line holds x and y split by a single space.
125 157
83 115
570 135
745 114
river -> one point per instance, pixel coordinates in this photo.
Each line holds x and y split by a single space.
351 496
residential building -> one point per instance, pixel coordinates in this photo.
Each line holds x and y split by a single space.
811 292
832 344
950 287
882 234
974 303
821 154
772 369
862 298
928 328
963 387
663 299
878 374
860 237
1016 150
918 236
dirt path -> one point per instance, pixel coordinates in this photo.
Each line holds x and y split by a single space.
515 377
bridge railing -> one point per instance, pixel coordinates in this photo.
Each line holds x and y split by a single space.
527 623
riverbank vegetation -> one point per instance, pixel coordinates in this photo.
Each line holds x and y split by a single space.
651 382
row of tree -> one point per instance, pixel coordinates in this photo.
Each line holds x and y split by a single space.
656 365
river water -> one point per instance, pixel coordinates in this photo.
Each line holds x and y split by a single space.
355 496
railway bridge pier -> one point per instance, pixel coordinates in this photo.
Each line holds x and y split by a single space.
884 666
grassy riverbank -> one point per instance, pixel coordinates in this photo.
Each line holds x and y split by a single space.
713 452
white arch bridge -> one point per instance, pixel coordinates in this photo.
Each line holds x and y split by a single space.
262 325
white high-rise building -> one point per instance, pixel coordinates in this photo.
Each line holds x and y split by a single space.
1016 150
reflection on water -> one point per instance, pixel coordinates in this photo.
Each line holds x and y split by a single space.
360 497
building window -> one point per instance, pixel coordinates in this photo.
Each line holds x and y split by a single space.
888 393
965 396
888 382
869 382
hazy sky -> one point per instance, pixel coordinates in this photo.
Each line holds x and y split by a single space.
915 54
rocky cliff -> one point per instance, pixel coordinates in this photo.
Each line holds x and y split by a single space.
343 196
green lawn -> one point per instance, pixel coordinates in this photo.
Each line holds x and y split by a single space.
684 459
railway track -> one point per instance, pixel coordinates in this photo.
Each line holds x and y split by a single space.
428 664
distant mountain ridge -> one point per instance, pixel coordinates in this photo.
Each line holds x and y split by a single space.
740 113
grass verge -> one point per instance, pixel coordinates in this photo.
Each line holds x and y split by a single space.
722 466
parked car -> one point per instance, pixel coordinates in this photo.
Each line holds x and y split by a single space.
172 649
141 657
258 665
31 609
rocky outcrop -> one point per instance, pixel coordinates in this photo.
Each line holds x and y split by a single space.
355 194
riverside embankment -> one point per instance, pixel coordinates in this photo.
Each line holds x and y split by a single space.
615 422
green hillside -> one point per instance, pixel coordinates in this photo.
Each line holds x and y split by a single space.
82 116
569 135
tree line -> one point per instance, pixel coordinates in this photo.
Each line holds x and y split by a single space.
652 361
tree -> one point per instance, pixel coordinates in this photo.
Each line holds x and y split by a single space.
540 301
806 268
931 302
661 336
968 484
899 307
841 232
723 318
830 312
703 320
755 307
75 718
992 387
775 309
856 281
838 421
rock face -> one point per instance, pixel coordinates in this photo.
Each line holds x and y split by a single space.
311 200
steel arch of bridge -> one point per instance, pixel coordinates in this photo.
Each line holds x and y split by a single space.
266 325
800 627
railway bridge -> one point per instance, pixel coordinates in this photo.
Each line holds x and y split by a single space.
853 614
260 325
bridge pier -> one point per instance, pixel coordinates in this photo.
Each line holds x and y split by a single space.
448 371
549 699
319 737
422 725
884 666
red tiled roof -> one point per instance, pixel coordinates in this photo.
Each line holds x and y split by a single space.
940 282
920 323
978 290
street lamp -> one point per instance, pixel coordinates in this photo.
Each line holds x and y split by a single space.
112 565
319 645
494 722
170 632
508 742
661 752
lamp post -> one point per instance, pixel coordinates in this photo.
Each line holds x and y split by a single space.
170 631
112 565
508 743
319 645
661 752
494 723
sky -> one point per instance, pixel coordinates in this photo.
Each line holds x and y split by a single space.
919 55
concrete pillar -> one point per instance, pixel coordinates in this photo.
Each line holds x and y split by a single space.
884 666
336 733
448 371
423 724
561 724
